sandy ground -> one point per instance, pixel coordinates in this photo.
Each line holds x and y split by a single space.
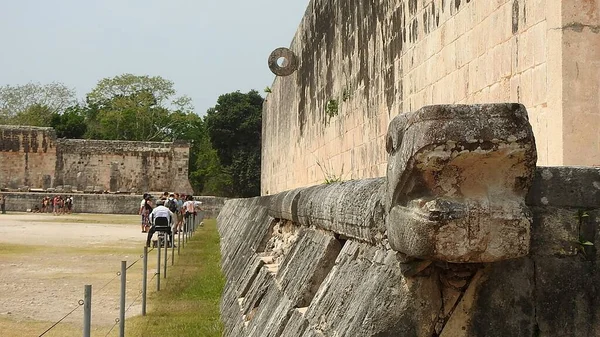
44 280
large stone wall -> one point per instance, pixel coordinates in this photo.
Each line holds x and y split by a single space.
33 157
314 262
383 58
122 165
463 237
27 156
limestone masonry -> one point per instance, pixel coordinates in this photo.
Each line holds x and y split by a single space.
361 63
463 237
32 157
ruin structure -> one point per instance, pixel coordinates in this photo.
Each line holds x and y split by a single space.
32 157
361 63
463 237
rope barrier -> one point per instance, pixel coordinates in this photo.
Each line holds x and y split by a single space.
117 274
114 325
80 303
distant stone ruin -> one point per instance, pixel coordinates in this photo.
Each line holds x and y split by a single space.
464 237
32 158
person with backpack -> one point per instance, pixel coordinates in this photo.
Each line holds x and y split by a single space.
161 219
171 204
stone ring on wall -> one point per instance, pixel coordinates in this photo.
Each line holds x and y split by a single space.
288 65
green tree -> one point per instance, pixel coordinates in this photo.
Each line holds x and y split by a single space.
130 107
207 176
33 115
54 98
71 123
234 125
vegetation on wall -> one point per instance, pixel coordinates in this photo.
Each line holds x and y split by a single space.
224 145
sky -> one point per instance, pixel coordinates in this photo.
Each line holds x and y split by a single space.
206 47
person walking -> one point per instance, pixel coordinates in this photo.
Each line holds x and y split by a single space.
3 203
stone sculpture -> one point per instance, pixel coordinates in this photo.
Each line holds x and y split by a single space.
457 179
290 62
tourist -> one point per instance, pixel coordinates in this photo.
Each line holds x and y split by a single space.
171 204
144 211
161 219
180 212
3 203
69 204
190 209
55 203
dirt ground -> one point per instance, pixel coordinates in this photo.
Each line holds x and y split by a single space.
46 260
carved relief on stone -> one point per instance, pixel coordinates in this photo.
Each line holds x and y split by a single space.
457 179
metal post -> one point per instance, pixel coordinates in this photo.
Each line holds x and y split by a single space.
185 229
158 267
166 249
194 223
122 309
87 310
179 240
173 248
144 281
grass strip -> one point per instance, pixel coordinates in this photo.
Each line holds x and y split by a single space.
188 303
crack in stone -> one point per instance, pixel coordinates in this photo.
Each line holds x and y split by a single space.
578 27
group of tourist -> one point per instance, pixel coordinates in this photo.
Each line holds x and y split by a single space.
168 211
58 205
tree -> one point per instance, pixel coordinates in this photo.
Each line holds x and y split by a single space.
54 97
33 115
130 107
234 126
70 124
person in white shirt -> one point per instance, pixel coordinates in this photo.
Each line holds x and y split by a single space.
161 219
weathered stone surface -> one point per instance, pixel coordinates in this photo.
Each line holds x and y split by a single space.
575 187
274 266
306 266
33 156
567 296
362 297
497 303
456 182
351 208
555 231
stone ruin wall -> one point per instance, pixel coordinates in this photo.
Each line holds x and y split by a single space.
27 156
33 157
123 165
379 59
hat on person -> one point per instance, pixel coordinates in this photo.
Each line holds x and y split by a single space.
160 202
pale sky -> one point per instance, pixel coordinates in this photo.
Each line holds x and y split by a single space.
206 47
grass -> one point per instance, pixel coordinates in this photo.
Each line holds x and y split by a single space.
188 303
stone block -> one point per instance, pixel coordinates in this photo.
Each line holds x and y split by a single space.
351 208
566 186
497 303
555 231
306 265
567 296
364 298
456 182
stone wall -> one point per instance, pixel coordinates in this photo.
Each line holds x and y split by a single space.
123 165
102 203
27 156
376 60
314 262
33 157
